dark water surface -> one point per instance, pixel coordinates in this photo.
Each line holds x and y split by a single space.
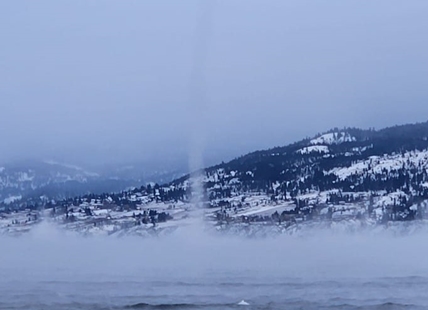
217 292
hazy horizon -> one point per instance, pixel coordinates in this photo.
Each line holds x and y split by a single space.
108 82
178 161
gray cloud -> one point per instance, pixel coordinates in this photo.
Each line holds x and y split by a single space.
112 81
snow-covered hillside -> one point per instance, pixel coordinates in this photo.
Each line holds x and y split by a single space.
385 164
314 149
372 177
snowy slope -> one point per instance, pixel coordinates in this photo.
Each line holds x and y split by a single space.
314 149
333 138
384 164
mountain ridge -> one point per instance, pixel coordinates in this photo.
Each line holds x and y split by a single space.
39 180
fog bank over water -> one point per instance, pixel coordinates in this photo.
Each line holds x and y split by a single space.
48 254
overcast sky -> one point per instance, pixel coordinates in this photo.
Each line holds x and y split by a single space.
111 81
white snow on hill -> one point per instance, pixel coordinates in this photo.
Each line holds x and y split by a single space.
25 177
313 149
383 164
333 138
390 199
12 199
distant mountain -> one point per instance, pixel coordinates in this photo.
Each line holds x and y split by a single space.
31 182
146 171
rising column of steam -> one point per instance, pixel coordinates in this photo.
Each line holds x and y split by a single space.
197 169
198 101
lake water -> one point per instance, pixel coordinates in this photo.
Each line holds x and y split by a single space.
218 292
52 270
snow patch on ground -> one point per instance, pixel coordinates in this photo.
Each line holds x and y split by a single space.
333 138
383 164
390 199
12 199
25 177
313 149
